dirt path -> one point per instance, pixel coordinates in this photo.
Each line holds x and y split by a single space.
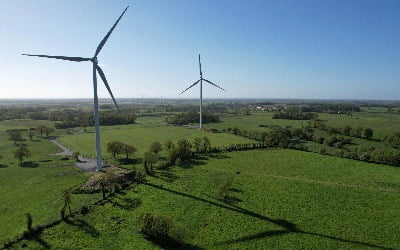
85 164
66 151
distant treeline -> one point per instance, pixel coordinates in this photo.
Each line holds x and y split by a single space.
330 108
86 119
191 117
294 114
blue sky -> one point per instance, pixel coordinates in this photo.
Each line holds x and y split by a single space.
255 49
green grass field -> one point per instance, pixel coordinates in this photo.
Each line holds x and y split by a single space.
141 135
281 199
382 123
37 188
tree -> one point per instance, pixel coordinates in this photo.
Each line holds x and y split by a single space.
85 120
197 143
149 158
184 149
368 133
264 138
31 134
48 131
169 145
114 148
206 145
67 196
128 150
14 135
357 132
41 129
346 130
156 147
21 152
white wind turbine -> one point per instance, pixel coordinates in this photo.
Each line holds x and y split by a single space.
96 68
201 91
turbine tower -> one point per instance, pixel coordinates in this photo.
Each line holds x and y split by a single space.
96 69
201 91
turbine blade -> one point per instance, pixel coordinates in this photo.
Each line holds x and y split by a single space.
196 82
214 84
101 44
103 77
201 73
68 58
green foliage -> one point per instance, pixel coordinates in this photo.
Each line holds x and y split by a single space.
169 145
192 117
155 226
149 159
368 133
156 147
21 153
393 140
14 135
293 114
115 148
128 150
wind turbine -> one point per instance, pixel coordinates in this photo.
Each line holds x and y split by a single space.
201 90
96 68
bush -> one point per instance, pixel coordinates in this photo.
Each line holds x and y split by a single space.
163 164
322 151
338 144
364 156
155 226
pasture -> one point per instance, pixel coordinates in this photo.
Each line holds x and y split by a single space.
141 135
35 187
278 199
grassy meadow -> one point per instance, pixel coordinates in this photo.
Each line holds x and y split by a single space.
36 187
279 199
141 135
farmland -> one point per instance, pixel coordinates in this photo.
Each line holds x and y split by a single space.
275 197
283 199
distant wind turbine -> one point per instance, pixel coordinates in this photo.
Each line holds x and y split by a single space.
201 91
96 68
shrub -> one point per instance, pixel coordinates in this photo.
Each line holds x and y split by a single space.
155 226
163 164
338 144
319 139
364 156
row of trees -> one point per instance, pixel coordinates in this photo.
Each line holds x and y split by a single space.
85 119
358 132
16 134
116 147
191 117
293 114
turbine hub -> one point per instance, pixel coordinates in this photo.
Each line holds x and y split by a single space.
94 60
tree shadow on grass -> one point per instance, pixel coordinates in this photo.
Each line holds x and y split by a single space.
128 161
29 164
41 242
3 166
218 156
196 160
84 226
165 175
288 227
126 203
172 244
